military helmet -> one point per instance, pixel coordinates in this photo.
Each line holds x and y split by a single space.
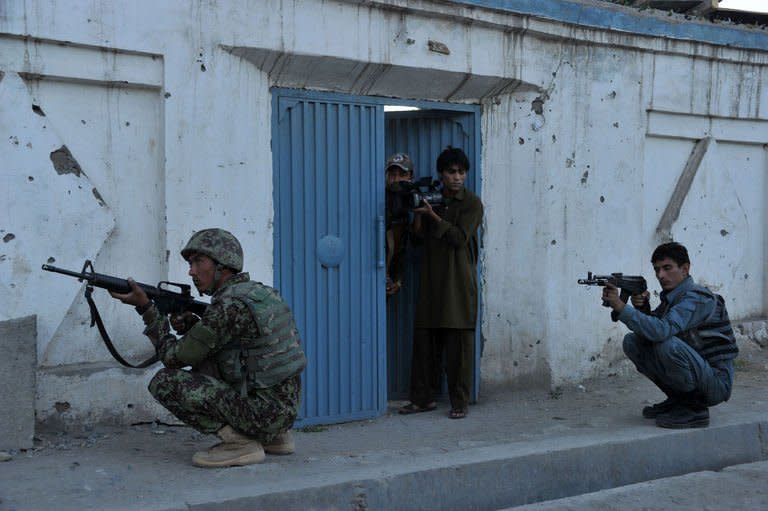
219 245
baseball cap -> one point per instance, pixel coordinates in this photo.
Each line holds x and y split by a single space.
401 160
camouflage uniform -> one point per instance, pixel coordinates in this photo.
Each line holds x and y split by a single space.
204 397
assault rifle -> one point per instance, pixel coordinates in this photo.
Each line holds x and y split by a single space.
166 300
628 284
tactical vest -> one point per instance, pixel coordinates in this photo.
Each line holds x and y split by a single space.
713 339
274 355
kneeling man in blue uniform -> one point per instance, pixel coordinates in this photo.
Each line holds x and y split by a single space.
685 346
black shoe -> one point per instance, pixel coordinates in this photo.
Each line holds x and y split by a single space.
683 417
653 411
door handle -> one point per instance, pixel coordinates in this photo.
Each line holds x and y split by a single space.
380 243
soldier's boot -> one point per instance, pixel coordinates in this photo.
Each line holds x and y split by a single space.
235 449
281 444
666 406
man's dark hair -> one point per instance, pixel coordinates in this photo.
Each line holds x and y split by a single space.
452 156
673 250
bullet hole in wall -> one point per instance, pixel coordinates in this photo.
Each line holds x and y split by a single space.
38 110
62 406
202 68
602 199
9 237
584 177
723 232
520 141
553 242
51 260
30 178
167 95
537 105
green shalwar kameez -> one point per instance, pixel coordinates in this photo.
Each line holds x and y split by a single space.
446 310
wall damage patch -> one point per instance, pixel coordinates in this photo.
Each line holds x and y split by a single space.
99 197
64 162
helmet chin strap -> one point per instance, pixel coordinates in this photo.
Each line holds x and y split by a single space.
216 280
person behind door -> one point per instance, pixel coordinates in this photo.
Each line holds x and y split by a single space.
398 170
446 310
244 356
685 346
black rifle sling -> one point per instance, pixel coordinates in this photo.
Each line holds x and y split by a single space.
96 320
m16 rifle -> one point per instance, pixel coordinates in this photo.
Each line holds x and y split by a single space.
166 300
628 284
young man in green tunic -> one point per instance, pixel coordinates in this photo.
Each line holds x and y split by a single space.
446 311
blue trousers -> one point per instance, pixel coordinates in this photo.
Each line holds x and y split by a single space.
678 370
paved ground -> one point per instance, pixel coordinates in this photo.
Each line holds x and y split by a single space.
515 448
742 487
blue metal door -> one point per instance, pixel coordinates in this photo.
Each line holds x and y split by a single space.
329 253
423 134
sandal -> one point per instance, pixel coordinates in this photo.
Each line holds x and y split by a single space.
414 408
457 413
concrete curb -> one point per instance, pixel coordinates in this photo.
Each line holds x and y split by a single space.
507 475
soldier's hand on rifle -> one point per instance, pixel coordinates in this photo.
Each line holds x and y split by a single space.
183 322
136 297
639 301
612 298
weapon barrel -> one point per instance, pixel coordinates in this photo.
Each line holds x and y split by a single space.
108 282
48 267
168 301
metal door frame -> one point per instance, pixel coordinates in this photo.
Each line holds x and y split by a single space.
277 93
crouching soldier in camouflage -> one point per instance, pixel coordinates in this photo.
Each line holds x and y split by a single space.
243 354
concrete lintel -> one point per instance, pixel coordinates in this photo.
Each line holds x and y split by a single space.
376 79
57 60
695 126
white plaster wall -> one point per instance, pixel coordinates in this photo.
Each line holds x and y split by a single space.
570 207
568 189
196 154
586 185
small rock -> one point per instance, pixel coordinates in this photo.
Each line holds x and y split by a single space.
4 456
